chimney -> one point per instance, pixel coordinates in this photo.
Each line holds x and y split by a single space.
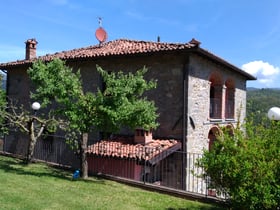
142 136
30 49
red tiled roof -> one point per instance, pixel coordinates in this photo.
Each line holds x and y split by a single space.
118 149
126 47
116 47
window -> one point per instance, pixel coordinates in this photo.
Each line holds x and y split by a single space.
229 99
212 136
222 97
216 93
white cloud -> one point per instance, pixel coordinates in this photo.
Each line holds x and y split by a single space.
265 72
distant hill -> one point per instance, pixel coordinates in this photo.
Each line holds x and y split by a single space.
255 89
252 88
259 101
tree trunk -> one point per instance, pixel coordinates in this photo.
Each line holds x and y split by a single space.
83 157
32 142
32 139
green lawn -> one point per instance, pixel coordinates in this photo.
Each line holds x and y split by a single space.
39 186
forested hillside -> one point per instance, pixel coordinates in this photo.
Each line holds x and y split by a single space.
259 101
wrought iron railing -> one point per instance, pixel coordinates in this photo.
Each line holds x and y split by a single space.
171 169
215 111
229 109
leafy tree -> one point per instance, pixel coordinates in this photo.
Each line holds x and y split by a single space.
58 84
29 123
246 166
259 101
122 103
109 110
3 106
12 116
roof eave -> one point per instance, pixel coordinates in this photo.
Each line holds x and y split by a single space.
193 46
15 64
165 153
206 53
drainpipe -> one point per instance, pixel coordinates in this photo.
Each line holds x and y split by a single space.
185 121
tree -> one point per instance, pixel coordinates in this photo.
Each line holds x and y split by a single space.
12 116
60 89
246 166
259 101
3 107
29 123
122 104
85 111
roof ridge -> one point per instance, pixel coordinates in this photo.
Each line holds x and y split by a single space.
124 47
149 41
96 46
114 47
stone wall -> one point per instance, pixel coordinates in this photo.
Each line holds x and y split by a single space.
168 70
199 122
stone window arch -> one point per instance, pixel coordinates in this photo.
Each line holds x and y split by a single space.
215 131
229 98
216 94
212 136
229 129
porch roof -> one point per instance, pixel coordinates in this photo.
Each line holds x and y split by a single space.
152 152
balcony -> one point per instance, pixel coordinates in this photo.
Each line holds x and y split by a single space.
215 108
229 109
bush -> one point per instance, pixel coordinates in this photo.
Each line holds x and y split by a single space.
246 166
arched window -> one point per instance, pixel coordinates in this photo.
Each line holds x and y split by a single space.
216 93
230 130
212 136
216 131
229 100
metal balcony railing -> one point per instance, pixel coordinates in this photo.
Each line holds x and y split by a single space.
229 109
215 108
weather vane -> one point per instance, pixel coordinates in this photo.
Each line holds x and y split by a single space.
100 21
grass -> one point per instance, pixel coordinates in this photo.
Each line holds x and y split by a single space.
39 186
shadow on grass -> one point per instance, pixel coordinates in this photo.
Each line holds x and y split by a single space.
201 208
18 166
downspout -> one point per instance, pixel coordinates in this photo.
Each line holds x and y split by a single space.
185 121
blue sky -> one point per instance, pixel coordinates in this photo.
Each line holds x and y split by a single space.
246 33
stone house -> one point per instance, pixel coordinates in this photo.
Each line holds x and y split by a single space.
197 91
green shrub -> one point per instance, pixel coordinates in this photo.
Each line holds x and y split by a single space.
246 166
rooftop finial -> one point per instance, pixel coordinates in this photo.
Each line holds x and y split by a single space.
195 42
158 39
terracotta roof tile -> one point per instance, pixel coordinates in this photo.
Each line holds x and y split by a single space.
116 47
125 47
119 149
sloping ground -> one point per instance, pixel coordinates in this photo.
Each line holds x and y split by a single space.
39 186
